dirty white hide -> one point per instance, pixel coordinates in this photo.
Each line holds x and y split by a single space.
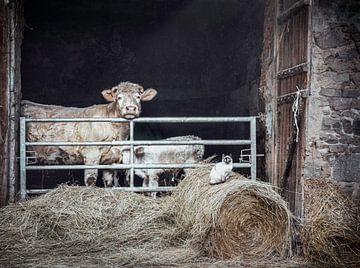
221 171
163 154
124 101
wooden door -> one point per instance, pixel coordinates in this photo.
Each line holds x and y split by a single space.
292 75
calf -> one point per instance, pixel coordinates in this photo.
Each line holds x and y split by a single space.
162 154
124 102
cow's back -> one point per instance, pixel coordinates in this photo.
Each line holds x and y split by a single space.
38 110
69 131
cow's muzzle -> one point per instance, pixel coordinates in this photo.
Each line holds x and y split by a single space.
131 111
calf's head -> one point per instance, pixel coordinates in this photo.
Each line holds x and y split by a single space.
139 151
127 98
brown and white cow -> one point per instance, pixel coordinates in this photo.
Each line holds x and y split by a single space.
124 101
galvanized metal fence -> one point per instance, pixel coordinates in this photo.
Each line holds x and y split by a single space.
24 166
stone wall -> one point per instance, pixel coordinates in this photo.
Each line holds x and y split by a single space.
333 122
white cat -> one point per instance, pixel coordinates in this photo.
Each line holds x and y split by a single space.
221 171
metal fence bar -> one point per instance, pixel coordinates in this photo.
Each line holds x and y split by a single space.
139 142
132 154
147 119
127 166
253 148
22 158
124 189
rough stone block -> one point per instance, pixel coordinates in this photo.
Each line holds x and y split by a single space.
338 148
347 126
330 92
325 127
351 114
350 92
356 193
339 104
355 78
346 168
355 104
323 151
326 110
327 79
335 115
355 140
346 139
356 127
354 149
337 125
341 77
336 64
346 187
331 37
327 121
329 138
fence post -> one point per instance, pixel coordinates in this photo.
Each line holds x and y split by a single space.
22 158
253 147
131 153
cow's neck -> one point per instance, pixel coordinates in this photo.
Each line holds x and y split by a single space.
112 110
123 129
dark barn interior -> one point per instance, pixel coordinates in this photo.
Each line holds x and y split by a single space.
203 57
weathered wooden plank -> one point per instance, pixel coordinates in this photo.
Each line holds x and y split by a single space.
296 7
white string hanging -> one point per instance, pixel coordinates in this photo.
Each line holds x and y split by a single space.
295 110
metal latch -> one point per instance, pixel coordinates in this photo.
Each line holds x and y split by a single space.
245 157
31 158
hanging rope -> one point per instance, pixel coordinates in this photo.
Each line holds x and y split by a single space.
295 110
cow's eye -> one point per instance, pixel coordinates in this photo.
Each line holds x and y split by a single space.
138 97
119 98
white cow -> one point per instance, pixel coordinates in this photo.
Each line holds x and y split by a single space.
124 102
162 154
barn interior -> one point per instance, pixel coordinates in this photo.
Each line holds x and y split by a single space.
202 56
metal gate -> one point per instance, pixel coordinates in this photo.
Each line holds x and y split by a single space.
291 89
24 166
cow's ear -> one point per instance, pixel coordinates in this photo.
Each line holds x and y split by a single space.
109 94
148 94
139 150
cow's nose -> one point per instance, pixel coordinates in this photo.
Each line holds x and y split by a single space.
131 108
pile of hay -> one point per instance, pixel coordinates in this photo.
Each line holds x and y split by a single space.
331 230
93 227
87 225
237 218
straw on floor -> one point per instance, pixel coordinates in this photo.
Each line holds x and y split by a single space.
331 230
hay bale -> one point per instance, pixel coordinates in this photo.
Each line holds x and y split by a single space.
237 218
331 229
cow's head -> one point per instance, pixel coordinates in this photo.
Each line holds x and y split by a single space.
139 151
127 97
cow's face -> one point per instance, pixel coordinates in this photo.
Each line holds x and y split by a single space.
139 152
128 97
